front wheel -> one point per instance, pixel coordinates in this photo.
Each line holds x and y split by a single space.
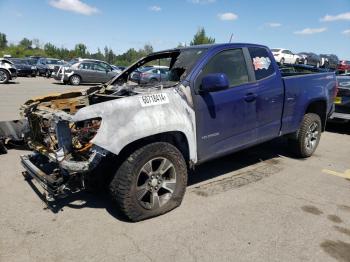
307 137
150 182
4 77
75 80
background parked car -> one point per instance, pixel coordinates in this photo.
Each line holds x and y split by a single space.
344 65
23 67
283 56
46 66
8 71
86 71
300 69
121 68
342 100
150 75
116 68
309 59
329 61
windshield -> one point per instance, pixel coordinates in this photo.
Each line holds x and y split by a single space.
176 65
53 62
19 61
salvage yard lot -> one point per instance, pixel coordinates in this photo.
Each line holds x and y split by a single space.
257 205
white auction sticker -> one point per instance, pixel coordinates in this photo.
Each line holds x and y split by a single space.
154 99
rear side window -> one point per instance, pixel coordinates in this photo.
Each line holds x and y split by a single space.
261 62
229 62
86 66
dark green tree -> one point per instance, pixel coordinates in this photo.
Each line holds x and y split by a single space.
80 50
50 50
26 43
3 41
201 38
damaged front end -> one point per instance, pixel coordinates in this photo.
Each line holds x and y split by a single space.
63 153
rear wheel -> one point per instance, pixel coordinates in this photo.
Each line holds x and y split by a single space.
307 137
75 80
4 77
150 182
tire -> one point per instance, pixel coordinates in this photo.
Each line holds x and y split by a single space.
4 77
307 138
282 61
140 171
3 149
75 80
47 74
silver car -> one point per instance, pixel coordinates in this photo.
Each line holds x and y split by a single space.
86 71
8 71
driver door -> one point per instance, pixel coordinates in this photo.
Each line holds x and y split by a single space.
226 119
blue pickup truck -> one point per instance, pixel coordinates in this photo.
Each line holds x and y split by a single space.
142 139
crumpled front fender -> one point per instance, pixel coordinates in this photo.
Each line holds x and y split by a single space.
128 119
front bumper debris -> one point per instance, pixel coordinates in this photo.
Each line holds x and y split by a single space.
58 178
49 183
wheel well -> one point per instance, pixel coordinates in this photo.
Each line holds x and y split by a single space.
5 70
319 108
176 138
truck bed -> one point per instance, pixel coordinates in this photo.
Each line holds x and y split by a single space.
302 89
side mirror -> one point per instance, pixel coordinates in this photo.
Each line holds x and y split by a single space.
214 82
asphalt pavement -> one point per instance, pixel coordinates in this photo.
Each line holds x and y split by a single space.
260 204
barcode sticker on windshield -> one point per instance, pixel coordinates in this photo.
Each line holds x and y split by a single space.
154 99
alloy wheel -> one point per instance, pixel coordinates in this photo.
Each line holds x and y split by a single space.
156 183
3 77
312 136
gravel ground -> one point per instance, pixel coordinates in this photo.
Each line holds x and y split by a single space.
257 205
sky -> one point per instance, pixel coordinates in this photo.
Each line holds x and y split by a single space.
320 26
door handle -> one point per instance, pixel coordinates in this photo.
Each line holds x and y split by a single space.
250 97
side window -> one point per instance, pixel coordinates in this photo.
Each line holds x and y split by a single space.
98 67
261 62
85 66
105 67
229 62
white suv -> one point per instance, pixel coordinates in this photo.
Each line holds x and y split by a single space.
285 56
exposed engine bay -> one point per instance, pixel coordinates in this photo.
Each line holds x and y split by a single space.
61 127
